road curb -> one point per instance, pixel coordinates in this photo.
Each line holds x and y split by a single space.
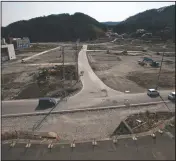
82 110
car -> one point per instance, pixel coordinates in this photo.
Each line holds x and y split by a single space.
152 92
171 96
47 102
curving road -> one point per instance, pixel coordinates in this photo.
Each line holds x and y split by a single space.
93 93
92 85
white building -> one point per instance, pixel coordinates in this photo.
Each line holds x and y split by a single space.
7 52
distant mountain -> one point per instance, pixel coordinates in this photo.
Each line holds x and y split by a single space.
111 23
154 20
61 27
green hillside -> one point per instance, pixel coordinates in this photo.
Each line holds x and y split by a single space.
154 20
61 27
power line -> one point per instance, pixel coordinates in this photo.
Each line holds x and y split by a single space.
164 102
159 72
62 96
157 84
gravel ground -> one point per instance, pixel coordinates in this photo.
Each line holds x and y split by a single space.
124 73
138 46
78 126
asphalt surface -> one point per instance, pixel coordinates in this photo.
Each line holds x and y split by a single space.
30 105
145 148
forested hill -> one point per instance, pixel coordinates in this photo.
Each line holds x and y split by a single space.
61 27
153 20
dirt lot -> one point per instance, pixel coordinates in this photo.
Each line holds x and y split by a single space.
135 45
143 122
121 71
79 125
148 120
19 80
28 84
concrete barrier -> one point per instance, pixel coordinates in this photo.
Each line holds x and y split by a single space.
82 110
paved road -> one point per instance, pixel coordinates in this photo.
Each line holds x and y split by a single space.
145 148
91 82
29 105
93 93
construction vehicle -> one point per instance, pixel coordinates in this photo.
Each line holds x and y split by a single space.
147 59
142 63
151 61
154 64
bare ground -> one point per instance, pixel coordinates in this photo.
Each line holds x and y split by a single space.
129 46
148 80
77 126
19 80
148 120
123 73
29 85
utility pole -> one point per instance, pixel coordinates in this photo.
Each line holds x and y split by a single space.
77 74
63 70
63 59
159 72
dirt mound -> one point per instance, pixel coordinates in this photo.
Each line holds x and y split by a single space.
142 122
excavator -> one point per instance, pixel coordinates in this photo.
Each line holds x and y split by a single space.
151 61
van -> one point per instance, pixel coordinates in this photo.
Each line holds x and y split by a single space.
47 102
152 92
171 96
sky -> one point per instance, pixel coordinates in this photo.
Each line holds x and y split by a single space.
101 11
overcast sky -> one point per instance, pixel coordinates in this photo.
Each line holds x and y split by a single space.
101 11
